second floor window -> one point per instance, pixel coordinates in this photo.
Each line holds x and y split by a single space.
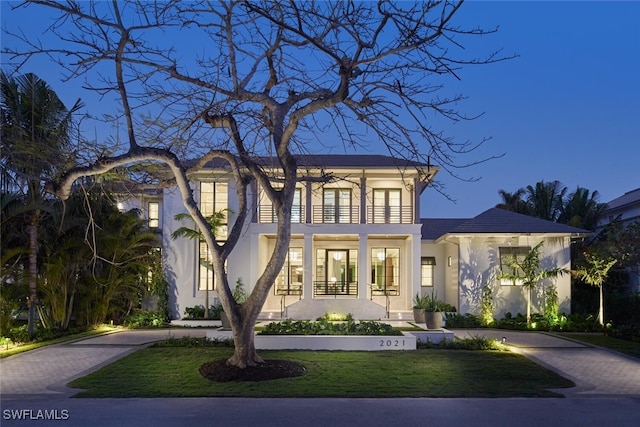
153 214
336 206
214 198
386 206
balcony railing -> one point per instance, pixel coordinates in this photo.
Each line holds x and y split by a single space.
267 214
335 289
336 214
389 214
341 214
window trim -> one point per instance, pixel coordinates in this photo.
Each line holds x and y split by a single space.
511 251
424 262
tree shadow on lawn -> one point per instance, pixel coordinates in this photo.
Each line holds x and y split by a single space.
220 371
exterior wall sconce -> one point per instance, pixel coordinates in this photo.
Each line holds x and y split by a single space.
448 261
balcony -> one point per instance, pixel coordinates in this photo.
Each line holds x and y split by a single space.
323 214
389 214
336 214
267 214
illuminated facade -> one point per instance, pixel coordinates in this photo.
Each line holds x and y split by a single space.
357 246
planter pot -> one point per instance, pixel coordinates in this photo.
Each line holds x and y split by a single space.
433 319
226 323
418 315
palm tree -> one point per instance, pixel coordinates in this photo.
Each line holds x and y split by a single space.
530 272
35 141
594 273
582 210
546 199
514 202
216 220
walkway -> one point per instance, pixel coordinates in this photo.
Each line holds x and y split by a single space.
596 371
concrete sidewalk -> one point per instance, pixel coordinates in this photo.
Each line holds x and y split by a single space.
47 370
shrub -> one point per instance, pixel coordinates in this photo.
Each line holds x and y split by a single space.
326 327
197 312
144 319
474 343
468 320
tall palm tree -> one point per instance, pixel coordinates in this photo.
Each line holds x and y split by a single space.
546 199
514 202
582 209
36 142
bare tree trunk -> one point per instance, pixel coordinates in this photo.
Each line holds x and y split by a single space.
528 305
33 272
601 309
244 337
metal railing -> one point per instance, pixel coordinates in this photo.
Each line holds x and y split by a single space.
336 214
267 214
389 214
335 289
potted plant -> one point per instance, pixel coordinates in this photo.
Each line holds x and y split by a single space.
434 309
419 306
240 296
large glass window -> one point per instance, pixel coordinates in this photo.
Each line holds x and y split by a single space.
289 281
385 271
427 266
336 272
336 206
214 199
153 214
510 256
386 206
205 268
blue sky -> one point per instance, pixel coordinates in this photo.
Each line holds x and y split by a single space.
567 109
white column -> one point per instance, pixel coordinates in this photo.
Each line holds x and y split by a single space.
363 267
309 272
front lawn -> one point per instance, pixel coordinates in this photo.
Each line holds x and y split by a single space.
173 372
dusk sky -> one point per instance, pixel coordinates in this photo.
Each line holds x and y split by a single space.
567 108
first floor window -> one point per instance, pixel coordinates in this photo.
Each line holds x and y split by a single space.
336 272
510 257
289 281
385 271
427 266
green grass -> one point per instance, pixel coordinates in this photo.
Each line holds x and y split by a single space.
173 372
623 346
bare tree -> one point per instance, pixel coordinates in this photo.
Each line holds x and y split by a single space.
263 78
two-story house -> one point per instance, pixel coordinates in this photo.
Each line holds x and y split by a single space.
358 244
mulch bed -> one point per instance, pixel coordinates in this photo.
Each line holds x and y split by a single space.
269 370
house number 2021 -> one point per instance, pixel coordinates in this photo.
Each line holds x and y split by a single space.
391 343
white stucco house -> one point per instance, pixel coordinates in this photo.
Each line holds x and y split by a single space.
358 244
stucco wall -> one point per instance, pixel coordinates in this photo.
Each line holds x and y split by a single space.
479 266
